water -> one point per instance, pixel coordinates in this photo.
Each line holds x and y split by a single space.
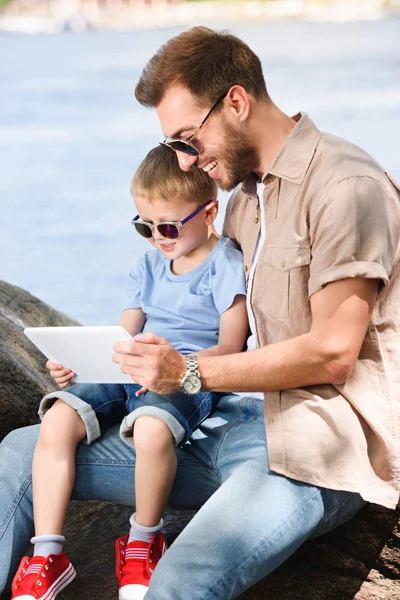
71 136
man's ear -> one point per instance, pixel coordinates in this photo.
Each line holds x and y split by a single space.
238 102
210 212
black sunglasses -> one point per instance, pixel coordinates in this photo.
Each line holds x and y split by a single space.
186 146
168 229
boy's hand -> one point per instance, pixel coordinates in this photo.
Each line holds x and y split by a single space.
142 391
61 376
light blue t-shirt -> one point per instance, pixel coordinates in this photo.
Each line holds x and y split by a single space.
186 309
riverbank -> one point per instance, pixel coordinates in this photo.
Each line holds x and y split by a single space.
77 16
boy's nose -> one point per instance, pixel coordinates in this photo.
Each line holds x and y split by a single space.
186 161
157 235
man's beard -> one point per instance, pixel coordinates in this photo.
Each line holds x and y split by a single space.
238 156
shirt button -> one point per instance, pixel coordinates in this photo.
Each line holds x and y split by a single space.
256 219
283 264
245 268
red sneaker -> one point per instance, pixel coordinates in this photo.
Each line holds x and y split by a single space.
135 563
41 578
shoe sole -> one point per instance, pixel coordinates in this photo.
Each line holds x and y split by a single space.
60 583
140 592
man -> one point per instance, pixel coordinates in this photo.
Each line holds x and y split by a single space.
318 221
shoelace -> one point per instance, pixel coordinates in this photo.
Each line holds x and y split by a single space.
33 570
149 557
27 571
142 554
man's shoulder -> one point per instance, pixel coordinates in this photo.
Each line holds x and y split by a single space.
337 159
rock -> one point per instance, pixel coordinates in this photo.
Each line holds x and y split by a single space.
23 375
359 561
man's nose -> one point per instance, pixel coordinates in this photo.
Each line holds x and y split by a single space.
186 161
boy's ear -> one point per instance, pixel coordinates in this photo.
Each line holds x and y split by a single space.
210 212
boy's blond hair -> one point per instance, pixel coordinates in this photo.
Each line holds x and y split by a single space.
160 177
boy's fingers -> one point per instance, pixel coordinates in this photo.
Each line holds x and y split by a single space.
53 366
142 391
63 379
61 373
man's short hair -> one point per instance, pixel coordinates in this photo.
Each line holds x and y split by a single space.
159 177
206 62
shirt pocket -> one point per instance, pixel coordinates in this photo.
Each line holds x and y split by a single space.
285 271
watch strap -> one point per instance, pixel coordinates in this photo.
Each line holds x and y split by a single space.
192 365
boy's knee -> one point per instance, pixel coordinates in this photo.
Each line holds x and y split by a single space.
153 433
59 422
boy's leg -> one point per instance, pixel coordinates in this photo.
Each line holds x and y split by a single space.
154 432
53 468
156 464
138 552
49 570
155 424
67 418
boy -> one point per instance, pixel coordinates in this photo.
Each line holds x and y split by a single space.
190 289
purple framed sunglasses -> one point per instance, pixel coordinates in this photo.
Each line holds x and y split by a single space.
168 229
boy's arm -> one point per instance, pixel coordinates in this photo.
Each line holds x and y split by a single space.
233 330
132 320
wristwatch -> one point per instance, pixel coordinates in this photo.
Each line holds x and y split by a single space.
191 380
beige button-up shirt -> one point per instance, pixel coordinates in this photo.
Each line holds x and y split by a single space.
331 212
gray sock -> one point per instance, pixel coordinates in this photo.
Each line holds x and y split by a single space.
47 544
141 532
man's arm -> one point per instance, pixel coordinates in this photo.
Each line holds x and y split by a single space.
326 354
233 330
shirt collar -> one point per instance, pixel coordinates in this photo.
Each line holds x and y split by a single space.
294 158
249 185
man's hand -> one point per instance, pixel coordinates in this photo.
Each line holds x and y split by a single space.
152 362
62 377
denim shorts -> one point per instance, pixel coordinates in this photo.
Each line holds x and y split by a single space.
102 405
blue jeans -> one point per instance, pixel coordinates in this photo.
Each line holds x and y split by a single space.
102 405
249 521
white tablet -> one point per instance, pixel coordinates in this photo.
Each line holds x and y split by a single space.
87 351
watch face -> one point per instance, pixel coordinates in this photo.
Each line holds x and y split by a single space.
192 384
